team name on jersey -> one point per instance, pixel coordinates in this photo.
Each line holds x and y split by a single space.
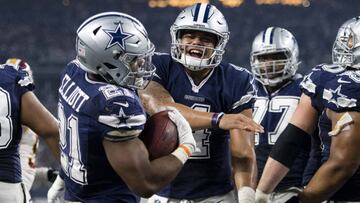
72 94
194 98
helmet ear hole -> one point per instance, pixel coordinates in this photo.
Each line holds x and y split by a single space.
110 66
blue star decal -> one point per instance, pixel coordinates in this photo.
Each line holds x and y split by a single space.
336 95
117 37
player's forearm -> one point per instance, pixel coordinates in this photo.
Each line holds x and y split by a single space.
273 173
197 119
244 171
159 175
53 144
327 180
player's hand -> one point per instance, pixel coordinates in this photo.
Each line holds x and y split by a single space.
185 134
246 194
56 191
239 121
293 195
261 197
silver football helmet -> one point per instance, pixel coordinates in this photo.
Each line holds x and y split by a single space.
200 17
116 46
274 56
346 49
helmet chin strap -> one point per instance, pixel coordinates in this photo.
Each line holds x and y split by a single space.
193 63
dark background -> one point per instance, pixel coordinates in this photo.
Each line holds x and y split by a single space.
43 33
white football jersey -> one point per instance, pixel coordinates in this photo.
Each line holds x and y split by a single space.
28 147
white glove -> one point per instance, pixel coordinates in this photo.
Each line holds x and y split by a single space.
187 143
56 191
246 195
261 197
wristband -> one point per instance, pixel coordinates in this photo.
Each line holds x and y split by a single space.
182 153
215 119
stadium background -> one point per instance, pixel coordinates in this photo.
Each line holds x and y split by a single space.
43 33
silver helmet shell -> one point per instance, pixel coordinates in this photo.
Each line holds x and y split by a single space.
116 46
200 17
346 48
274 40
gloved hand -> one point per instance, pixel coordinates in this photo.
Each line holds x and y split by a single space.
246 195
187 143
293 195
261 197
56 191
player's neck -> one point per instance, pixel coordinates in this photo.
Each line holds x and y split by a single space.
198 76
272 89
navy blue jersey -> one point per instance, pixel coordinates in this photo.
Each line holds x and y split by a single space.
274 111
336 88
89 112
227 89
12 87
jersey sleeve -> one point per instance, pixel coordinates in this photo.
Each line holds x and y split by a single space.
16 78
122 118
342 97
244 90
311 86
161 62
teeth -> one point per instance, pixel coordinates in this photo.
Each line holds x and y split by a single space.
195 51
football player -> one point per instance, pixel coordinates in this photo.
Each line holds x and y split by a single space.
330 91
29 144
274 60
217 99
19 106
101 116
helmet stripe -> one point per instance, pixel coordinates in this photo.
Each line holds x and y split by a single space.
207 11
263 36
272 35
197 8
268 35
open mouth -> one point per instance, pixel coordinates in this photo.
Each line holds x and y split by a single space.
196 53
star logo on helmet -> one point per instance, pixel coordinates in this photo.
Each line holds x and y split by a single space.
117 37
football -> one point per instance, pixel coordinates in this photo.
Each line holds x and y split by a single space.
160 135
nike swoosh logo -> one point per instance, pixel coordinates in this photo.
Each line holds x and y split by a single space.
342 81
125 104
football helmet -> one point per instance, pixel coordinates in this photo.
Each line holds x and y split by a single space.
200 17
274 56
346 48
116 46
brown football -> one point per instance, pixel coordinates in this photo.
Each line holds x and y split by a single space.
160 135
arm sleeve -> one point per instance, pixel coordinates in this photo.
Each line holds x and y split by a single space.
244 91
122 118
